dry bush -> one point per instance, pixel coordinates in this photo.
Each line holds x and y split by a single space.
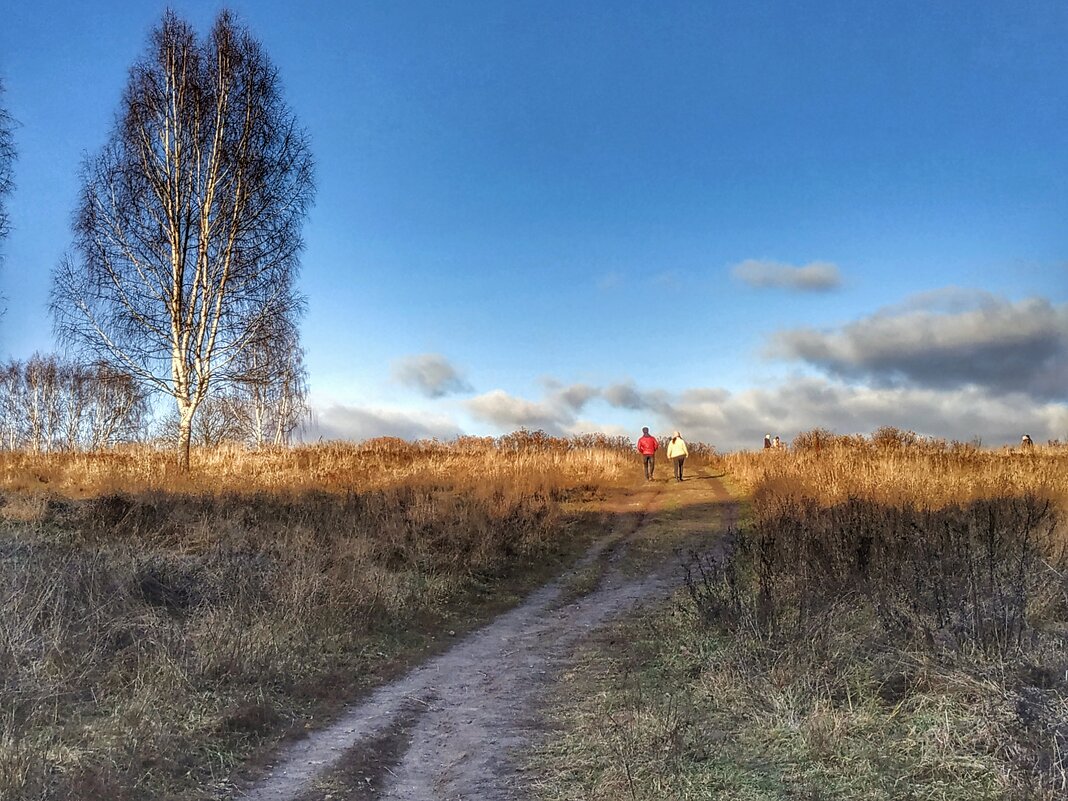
960 576
150 638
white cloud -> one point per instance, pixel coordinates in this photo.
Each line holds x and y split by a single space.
556 413
948 299
510 412
430 374
626 396
338 421
575 396
817 276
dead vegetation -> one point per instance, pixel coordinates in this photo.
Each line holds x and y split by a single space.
890 621
150 639
895 466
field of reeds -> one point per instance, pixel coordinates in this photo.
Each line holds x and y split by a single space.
157 628
889 620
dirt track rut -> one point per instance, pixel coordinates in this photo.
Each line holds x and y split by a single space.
449 729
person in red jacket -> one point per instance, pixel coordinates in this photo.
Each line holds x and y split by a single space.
647 448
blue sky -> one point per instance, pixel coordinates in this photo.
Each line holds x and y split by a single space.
727 218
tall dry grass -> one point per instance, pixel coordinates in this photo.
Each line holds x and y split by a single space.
521 460
892 466
156 627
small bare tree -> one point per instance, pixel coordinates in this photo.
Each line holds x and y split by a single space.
48 404
272 400
188 234
216 422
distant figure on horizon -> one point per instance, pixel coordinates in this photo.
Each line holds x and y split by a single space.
778 442
647 448
767 441
677 453
1025 441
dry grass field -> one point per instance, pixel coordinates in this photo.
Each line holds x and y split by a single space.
157 628
890 620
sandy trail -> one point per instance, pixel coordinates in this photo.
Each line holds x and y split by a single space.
449 728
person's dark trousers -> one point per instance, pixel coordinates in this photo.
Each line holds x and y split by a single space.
678 467
650 462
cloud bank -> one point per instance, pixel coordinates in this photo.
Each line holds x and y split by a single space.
984 341
431 375
952 363
739 420
734 420
817 276
728 420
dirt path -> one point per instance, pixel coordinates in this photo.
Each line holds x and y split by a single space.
448 729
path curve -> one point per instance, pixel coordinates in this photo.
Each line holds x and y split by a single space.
446 730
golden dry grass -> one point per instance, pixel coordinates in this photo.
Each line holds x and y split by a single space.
521 461
158 627
928 474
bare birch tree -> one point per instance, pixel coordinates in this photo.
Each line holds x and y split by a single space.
272 402
187 238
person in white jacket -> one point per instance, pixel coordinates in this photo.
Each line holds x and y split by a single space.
677 453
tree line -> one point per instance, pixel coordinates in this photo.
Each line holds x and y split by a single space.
50 404
181 280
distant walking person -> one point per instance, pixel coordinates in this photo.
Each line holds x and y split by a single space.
767 441
647 448
677 453
778 442
1026 441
